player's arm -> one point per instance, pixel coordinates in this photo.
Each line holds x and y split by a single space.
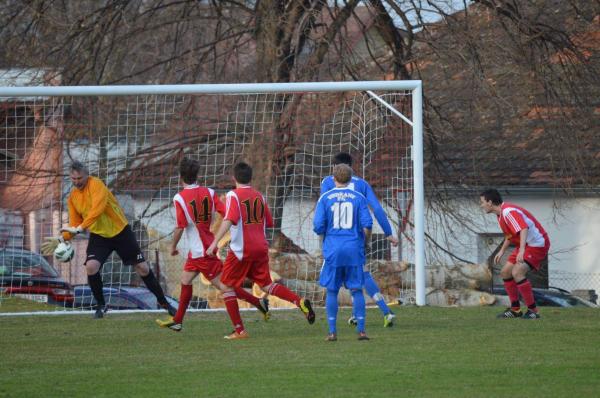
326 185
219 206
517 225
522 241
380 215
500 253
232 212
181 223
268 216
177 233
99 194
75 219
320 219
50 243
366 221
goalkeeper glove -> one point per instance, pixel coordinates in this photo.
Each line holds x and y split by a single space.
50 244
72 230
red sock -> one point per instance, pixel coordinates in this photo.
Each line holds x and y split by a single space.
184 300
233 310
513 293
242 294
284 293
527 294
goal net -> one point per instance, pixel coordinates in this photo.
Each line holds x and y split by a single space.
133 137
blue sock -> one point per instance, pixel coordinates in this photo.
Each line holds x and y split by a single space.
358 308
373 291
331 306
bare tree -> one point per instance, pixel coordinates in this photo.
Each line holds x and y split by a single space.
496 67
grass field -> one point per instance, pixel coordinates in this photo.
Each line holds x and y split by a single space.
442 352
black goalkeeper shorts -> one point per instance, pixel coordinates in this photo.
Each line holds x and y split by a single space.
124 243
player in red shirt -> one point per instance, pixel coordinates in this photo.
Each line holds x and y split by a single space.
532 244
247 216
195 207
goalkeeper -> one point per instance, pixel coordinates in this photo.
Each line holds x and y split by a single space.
92 206
359 185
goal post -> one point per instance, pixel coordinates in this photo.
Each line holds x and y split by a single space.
132 137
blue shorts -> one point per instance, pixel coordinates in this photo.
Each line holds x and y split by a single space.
332 278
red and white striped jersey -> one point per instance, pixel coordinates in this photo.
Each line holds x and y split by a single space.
247 209
514 218
195 207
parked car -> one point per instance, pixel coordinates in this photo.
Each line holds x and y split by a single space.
552 297
119 298
28 275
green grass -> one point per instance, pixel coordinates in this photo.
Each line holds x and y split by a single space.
16 304
440 352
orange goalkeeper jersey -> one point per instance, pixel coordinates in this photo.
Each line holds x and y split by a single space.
95 208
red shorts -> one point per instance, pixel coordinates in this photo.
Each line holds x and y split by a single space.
533 256
210 267
254 268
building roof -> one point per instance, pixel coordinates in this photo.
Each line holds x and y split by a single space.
494 123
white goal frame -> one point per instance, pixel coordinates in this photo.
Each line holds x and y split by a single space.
416 122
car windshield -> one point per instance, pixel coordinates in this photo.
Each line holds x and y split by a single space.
24 264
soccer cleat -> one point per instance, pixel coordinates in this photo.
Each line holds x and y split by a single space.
363 336
100 311
306 308
531 315
170 323
331 337
509 313
352 321
264 308
388 320
237 336
170 309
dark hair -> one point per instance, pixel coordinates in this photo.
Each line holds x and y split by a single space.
188 170
242 172
79 167
492 195
343 157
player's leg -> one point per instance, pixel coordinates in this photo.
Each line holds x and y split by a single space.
331 279
374 292
533 259
126 246
234 273
331 308
261 304
359 308
353 279
98 251
175 322
261 275
514 311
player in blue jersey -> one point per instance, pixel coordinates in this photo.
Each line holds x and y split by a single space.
342 216
360 185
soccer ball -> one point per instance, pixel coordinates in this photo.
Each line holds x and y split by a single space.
64 252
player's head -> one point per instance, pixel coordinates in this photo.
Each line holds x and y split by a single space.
188 170
343 158
489 199
342 173
79 174
242 172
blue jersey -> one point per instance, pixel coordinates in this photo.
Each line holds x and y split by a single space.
359 185
341 215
